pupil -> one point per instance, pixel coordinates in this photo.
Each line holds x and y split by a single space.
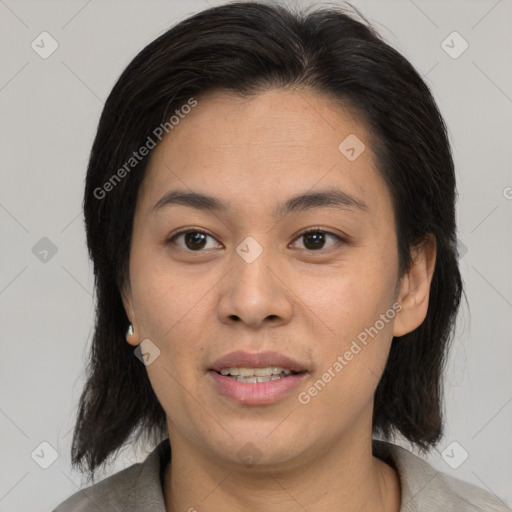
317 240
195 240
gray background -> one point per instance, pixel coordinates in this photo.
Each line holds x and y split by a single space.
50 109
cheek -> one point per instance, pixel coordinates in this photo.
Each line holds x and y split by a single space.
354 315
350 298
351 361
167 296
175 313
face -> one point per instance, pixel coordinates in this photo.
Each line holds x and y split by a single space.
289 264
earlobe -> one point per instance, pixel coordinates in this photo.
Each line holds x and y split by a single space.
131 337
415 288
131 333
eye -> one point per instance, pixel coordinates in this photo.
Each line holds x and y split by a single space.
193 240
316 239
197 239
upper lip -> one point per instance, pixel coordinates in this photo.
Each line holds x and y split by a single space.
242 359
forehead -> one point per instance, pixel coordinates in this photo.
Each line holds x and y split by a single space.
260 150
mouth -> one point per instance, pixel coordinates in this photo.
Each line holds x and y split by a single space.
256 378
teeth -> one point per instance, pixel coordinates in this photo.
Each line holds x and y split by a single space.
254 380
263 372
256 372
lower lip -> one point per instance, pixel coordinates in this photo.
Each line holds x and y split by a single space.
257 393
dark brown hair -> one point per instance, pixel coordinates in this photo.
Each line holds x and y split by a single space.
245 48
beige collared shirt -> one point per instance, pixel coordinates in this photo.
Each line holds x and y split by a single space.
138 488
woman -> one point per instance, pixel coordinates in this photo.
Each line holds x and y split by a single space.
270 209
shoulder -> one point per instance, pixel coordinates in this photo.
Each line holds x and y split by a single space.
425 489
135 488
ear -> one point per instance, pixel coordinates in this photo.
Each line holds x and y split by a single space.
127 298
415 288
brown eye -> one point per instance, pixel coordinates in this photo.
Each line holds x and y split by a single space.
193 240
315 240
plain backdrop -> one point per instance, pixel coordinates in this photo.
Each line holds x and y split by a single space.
49 112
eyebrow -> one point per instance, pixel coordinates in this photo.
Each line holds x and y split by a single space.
331 197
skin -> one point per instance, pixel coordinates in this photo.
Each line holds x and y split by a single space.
197 306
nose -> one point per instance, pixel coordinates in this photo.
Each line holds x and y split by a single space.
253 293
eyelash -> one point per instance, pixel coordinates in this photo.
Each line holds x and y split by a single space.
304 233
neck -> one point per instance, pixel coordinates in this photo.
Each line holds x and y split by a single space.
344 476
